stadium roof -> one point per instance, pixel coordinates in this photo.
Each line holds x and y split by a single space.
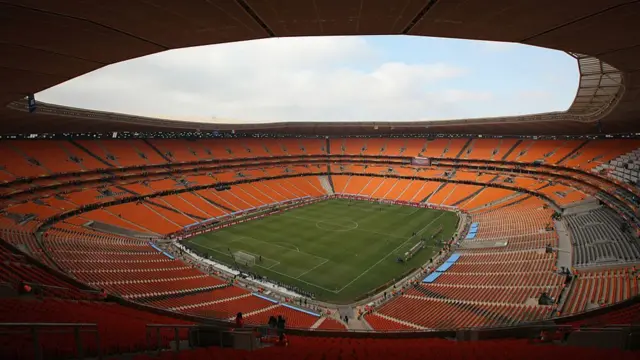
44 43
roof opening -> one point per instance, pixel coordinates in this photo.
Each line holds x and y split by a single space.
373 78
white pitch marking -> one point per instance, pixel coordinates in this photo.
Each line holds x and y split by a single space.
355 229
313 268
389 254
274 271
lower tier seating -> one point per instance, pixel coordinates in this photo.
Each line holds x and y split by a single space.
594 289
330 348
228 309
431 313
293 318
122 329
626 316
331 324
380 323
17 270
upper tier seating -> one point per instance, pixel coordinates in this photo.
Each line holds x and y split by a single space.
625 168
598 152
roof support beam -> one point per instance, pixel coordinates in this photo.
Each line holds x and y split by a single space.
89 21
243 4
418 17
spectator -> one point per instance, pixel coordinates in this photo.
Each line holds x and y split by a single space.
272 322
280 325
282 340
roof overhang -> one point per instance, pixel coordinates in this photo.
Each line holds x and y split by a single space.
44 43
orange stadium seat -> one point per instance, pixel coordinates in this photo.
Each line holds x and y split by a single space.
496 281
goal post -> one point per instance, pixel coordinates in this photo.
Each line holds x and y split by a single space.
414 250
243 258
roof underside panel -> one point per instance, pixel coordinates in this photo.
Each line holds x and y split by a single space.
166 24
336 17
44 43
505 20
601 33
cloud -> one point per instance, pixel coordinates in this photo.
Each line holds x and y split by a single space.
283 79
534 94
498 46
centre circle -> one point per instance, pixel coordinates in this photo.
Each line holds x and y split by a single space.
337 225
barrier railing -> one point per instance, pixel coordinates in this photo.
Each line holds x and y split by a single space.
38 330
157 328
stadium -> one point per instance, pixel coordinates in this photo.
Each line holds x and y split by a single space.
134 237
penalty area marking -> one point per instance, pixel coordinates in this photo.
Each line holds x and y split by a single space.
313 268
238 238
390 253
274 271
276 262
285 243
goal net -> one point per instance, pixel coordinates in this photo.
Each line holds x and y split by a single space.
414 250
243 258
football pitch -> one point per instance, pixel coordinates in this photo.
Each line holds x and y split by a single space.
337 249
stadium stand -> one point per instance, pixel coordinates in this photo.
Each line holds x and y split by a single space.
327 323
594 289
98 231
357 349
93 204
484 288
625 168
599 239
51 299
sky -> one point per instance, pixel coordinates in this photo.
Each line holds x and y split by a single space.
381 78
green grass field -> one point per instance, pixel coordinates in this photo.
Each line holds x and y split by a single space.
336 249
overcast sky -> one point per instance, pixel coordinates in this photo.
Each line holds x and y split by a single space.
384 78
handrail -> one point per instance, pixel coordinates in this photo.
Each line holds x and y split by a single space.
171 325
528 330
46 286
47 324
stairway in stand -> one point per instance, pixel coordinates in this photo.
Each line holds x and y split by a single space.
326 185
